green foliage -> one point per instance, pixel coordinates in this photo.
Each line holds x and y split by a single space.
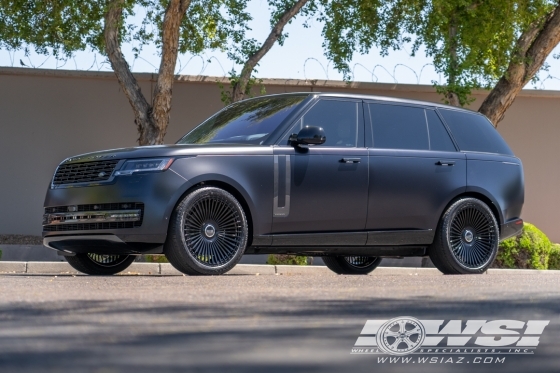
0 254
531 249
471 42
63 27
554 258
226 93
156 259
281 259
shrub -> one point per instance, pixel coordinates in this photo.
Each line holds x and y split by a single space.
554 258
156 259
531 249
279 259
0 254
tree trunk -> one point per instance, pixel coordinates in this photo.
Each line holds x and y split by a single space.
151 120
142 109
240 87
533 47
163 90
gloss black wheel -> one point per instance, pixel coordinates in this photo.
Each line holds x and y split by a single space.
351 265
99 264
208 233
467 238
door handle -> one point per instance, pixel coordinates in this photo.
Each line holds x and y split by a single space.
350 160
445 163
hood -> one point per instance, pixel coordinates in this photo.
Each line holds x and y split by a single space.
170 151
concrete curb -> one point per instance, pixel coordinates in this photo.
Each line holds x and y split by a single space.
165 269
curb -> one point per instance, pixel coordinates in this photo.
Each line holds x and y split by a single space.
165 269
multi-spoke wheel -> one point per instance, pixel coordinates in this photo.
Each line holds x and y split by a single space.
351 265
207 233
99 264
467 238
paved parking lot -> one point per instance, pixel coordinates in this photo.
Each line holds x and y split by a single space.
241 323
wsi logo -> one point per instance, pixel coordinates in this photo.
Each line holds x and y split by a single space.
406 335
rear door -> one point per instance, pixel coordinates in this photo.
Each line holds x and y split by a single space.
415 168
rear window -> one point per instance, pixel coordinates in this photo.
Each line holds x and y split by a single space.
409 128
475 133
399 127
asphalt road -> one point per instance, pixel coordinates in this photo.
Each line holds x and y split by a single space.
251 323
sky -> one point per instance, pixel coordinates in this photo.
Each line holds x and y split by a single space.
301 57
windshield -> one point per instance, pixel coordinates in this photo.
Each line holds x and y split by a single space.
246 122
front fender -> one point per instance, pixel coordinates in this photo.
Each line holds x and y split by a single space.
251 176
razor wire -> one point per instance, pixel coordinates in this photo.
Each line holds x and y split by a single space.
312 67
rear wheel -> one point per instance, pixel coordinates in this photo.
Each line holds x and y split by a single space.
207 233
98 264
467 238
351 265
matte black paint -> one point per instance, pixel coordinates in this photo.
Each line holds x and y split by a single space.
354 201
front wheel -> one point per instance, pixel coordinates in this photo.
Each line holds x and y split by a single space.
467 238
100 265
208 233
351 265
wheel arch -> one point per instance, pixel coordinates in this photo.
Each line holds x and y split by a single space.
492 205
236 191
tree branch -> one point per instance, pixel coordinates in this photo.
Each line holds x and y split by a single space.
533 47
240 86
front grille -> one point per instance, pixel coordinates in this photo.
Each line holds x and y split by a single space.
88 172
93 226
88 226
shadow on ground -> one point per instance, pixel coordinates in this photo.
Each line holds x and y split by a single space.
272 336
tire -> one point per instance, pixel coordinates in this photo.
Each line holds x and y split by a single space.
207 233
100 265
467 238
351 265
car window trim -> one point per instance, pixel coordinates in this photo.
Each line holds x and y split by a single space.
305 110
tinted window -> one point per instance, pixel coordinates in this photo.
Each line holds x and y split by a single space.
339 119
249 121
475 133
399 127
439 138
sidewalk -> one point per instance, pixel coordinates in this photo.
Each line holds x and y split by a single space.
165 269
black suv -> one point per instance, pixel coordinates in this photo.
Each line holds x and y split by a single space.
350 178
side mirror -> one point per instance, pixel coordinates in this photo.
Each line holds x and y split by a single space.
309 135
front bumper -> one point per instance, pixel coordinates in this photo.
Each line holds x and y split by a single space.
72 231
511 228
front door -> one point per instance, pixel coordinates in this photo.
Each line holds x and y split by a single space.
323 188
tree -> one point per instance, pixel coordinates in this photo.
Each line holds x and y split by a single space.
248 52
470 41
532 48
63 27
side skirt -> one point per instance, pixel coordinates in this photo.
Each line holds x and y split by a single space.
413 242
380 251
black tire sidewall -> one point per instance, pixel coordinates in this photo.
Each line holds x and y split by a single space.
339 265
84 264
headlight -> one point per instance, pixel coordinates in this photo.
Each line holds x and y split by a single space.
144 165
